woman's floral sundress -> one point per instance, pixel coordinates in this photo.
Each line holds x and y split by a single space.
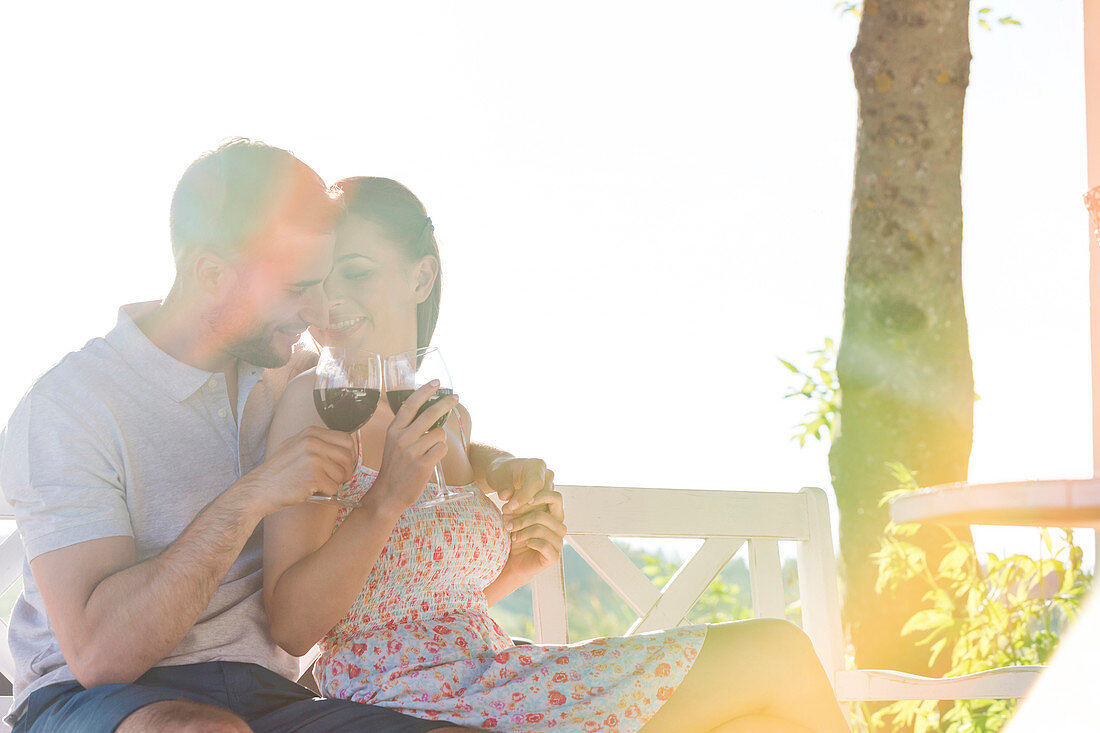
419 639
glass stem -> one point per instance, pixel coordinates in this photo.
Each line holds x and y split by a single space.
440 482
461 431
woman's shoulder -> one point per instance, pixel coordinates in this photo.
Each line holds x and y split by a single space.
303 382
297 398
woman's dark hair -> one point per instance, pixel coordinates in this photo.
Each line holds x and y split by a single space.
405 221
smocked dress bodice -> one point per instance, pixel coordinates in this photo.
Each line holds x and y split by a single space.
418 638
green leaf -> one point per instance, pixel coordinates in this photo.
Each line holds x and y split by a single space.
935 649
789 365
930 619
955 560
820 386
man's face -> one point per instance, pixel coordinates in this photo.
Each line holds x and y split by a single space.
278 294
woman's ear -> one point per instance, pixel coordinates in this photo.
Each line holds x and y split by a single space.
425 273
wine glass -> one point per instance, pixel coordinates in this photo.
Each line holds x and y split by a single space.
403 374
346 391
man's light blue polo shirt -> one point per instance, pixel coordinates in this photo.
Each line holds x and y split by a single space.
121 439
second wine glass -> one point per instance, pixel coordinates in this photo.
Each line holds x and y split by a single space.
346 391
403 374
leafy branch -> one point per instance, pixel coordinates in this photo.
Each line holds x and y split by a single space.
984 17
821 387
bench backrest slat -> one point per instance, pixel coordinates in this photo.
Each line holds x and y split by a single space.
724 520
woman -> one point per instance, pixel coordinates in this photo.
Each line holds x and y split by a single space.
398 593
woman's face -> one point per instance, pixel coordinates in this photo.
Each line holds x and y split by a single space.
373 292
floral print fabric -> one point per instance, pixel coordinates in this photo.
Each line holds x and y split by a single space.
419 639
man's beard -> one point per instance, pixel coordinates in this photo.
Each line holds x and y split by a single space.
256 343
259 350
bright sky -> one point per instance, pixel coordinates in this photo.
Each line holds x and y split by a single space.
639 209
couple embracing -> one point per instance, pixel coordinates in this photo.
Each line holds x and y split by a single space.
176 567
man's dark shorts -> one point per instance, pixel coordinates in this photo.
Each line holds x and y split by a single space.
266 701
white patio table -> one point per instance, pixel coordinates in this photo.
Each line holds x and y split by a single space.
1046 503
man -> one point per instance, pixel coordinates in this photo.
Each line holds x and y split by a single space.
136 471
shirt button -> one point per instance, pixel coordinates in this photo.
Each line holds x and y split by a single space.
222 412
211 383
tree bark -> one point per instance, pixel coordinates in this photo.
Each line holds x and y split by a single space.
904 365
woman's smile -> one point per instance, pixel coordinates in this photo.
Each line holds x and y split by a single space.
343 325
341 329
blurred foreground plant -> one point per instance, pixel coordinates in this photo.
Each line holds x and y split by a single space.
982 612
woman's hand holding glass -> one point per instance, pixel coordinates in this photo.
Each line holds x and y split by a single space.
413 448
402 374
348 387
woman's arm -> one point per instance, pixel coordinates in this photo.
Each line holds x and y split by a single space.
312 574
506 582
534 515
537 536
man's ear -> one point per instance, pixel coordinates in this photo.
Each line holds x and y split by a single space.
212 273
425 273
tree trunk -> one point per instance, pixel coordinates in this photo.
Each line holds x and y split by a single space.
904 362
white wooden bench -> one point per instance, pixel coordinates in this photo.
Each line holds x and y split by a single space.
11 572
725 521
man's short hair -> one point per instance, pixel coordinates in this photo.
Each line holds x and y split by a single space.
229 197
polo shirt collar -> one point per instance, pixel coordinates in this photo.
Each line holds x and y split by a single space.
179 380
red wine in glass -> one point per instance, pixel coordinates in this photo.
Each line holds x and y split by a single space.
346 408
397 397
346 392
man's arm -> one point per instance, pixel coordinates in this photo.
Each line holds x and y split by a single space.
115 619
482 457
516 481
